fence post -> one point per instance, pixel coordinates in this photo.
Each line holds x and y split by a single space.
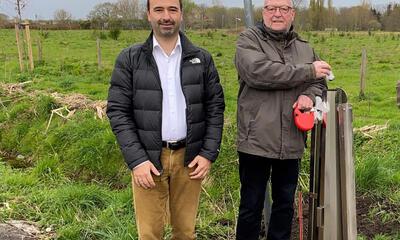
98 53
363 72
28 40
21 64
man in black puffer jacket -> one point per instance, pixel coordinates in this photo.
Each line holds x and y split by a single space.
166 107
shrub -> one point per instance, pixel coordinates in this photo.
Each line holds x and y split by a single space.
44 34
115 33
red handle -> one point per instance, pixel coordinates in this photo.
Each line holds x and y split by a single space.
303 120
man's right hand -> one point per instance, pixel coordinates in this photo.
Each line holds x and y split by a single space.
142 175
322 69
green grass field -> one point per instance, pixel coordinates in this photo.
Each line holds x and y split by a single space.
72 177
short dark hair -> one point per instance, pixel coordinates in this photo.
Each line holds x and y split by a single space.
148 5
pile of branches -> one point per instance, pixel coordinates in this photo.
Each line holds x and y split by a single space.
69 103
370 131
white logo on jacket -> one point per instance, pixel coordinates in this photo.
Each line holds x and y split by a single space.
195 61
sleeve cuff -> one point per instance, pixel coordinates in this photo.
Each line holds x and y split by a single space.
136 162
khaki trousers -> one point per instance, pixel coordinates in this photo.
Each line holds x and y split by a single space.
175 194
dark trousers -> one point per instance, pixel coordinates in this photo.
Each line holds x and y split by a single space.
254 173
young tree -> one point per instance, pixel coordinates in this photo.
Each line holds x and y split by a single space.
19 7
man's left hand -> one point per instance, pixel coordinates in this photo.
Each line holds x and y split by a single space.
303 103
202 169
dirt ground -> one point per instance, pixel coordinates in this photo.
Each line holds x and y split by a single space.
365 225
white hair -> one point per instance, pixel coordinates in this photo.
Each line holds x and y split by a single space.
291 3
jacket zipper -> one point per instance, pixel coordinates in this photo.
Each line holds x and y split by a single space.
156 72
187 103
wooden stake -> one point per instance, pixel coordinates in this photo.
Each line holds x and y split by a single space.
28 40
20 57
363 73
40 50
5 68
398 93
98 53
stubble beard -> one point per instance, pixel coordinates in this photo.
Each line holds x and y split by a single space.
166 33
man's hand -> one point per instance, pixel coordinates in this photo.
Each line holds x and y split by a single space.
142 175
203 166
303 103
322 69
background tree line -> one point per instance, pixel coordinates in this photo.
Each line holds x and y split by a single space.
313 15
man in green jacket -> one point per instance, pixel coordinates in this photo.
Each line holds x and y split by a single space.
277 73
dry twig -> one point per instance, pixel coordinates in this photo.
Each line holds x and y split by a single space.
368 131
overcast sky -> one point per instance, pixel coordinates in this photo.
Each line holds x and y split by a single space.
44 9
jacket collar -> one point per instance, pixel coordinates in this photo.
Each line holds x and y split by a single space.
187 47
269 33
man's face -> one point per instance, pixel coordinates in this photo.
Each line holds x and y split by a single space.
165 17
278 14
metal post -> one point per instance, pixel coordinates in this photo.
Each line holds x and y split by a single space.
248 12
347 178
330 201
332 209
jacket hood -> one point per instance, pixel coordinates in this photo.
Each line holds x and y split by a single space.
277 35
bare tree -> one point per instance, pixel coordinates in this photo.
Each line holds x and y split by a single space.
103 13
217 3
298 3
391 18
128 9
189 8
62 16
331 15
19 6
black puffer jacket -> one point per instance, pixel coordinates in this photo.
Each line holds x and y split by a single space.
135 104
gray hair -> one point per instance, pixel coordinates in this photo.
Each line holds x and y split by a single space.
292 3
